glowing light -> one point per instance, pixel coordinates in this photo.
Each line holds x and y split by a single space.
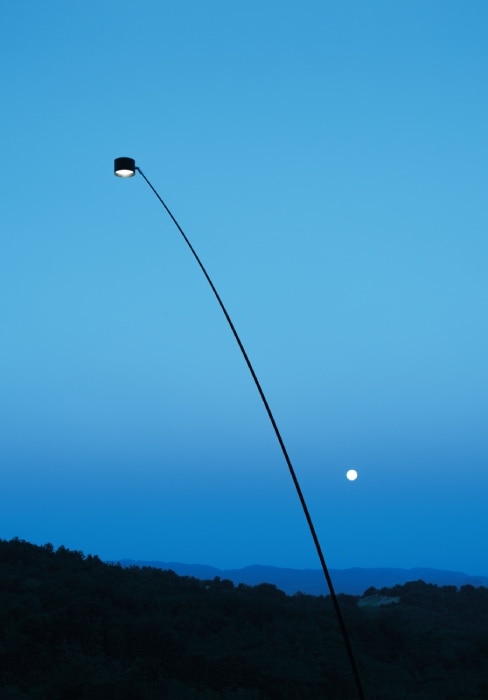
352 475
124 173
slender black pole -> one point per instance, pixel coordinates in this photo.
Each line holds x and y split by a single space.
283 449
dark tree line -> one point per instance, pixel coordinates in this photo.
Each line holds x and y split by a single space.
74 627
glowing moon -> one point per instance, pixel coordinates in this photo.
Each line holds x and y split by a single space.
352 475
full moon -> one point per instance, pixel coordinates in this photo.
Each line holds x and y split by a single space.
352 475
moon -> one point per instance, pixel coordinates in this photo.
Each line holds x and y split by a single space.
351 474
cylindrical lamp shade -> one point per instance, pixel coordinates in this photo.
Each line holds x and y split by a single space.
124 167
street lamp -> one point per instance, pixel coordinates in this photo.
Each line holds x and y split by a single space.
126 168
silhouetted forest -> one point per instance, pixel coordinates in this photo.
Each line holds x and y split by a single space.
74 627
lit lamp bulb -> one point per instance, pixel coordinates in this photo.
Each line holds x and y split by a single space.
125 167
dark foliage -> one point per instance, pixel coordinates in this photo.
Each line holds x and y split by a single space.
74 627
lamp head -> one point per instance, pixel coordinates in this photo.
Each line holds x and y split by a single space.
125 167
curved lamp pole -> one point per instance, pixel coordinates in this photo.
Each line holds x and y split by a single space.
126 168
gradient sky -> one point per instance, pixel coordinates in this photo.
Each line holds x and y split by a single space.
329 162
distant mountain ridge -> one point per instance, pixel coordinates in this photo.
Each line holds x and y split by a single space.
311 581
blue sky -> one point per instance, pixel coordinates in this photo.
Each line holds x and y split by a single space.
329 162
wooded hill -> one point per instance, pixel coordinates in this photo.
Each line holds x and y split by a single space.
73 627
